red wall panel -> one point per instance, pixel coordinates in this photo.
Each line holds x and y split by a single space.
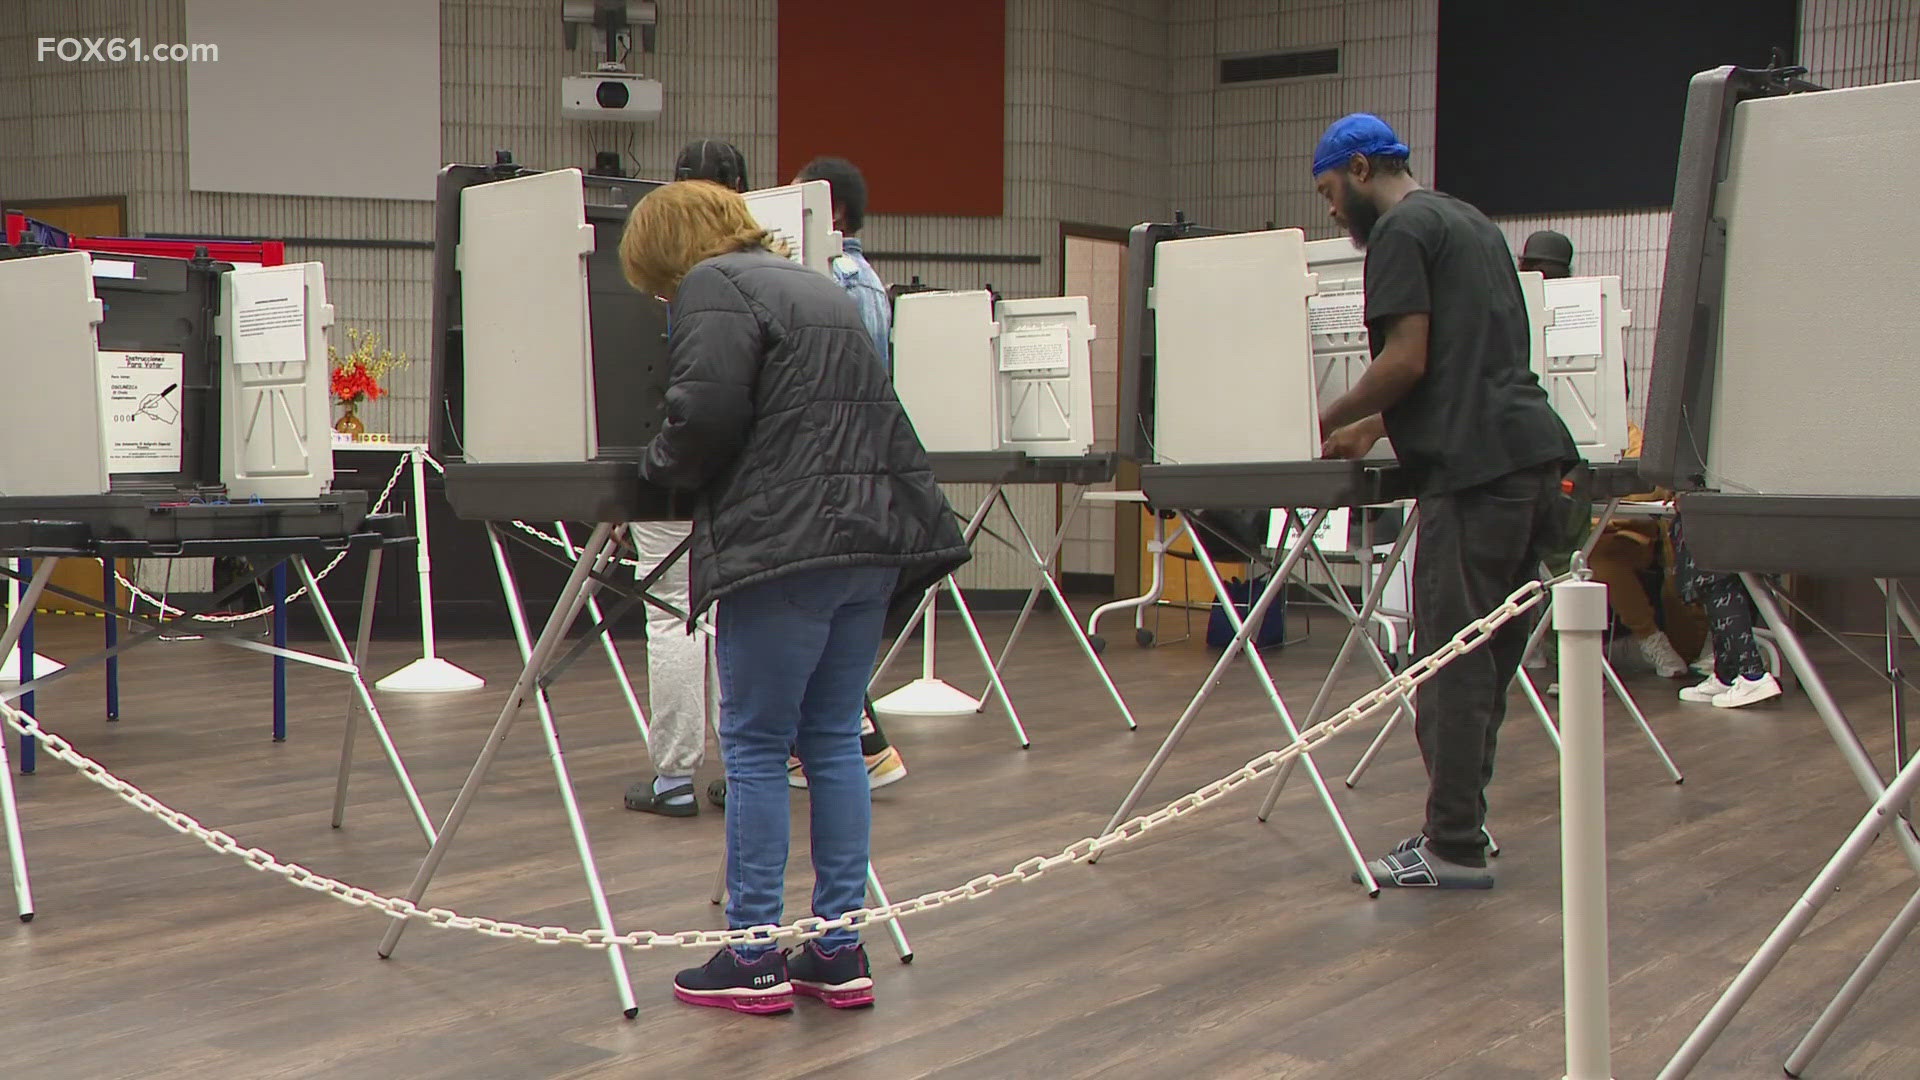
912 93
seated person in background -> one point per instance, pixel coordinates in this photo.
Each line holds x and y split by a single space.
1627 549
1740 676
814 507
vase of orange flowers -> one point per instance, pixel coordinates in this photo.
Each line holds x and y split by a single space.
360 374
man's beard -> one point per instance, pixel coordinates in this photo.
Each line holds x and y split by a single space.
1360 212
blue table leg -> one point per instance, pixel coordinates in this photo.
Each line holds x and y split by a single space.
109 589
28 744
280 662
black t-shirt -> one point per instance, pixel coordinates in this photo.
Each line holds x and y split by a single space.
1479 413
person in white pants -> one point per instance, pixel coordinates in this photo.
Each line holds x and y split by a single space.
677 676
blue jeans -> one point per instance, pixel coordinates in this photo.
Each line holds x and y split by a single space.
795 654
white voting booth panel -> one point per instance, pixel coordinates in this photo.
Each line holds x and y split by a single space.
1235 379
528 344
276 438
1819 324
800 215
1336 315
55 443
1044 375
975 377
1583 363
943 371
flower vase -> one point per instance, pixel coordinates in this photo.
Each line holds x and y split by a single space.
350 422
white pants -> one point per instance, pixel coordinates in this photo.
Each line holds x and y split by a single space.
677 670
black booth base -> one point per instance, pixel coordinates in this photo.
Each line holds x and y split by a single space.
562 491
1317 485
1018 467
1826 535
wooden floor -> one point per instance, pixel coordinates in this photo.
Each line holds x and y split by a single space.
1216 948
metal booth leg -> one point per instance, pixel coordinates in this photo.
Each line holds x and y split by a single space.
1044 565
1889 802
357 675
16 849
1243 631
536 655
606 640
280 642
1359 635
19 634
110 593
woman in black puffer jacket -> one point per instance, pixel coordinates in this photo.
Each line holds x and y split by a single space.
815 507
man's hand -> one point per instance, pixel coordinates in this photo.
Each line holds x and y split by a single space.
1354 441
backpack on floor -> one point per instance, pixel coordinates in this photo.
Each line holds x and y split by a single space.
1272 631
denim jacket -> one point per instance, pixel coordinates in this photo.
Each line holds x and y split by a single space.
856 275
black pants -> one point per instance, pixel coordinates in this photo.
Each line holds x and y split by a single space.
1729 613
1473 548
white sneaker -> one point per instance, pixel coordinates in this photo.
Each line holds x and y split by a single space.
1745 691
1706 692
1704 664
1662 655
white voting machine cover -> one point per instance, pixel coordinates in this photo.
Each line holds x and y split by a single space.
943 369
801 216
1045 376
1234 381
523 296
277 435
1337 316
54 443
1583 362
1815 388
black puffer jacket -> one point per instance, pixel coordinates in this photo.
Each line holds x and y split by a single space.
783 421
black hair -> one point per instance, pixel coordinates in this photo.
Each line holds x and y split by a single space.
1384 165
848 186
711 159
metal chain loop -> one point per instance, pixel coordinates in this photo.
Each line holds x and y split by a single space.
1468 639
167 609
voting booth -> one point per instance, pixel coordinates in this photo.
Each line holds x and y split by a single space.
978 376
1782 410
276 430
1336 315
1000 393
1227 388
174 408
800 216
1581 361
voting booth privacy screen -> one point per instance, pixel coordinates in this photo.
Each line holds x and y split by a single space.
1784 361
542 353
976 376
149 329
1235 379
1582 362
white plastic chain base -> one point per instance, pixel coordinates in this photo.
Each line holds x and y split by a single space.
927 697
42 667
430 675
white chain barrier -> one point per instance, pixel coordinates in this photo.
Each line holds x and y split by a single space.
167 609
1472 637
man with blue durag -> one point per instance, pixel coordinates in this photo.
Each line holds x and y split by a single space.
1451 386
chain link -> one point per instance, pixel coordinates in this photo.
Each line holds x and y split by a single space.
166 609
1473 636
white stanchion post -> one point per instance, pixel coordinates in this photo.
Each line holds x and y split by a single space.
10 668
1580 618
429 674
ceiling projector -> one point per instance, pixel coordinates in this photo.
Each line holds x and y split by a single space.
610 94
